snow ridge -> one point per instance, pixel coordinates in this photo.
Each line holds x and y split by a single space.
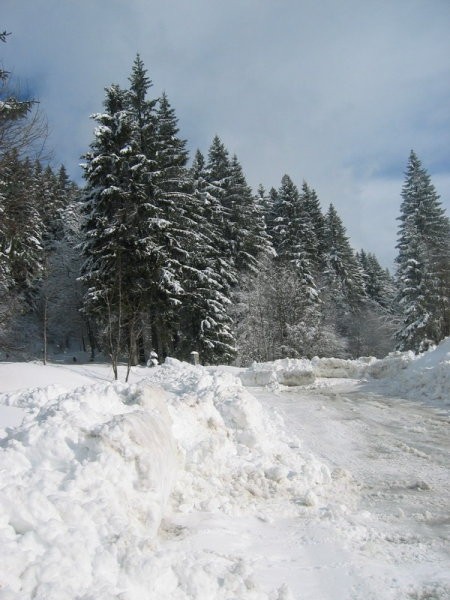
85 481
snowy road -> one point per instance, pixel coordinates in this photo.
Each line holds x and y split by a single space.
387 511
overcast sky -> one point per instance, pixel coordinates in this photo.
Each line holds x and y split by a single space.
335 92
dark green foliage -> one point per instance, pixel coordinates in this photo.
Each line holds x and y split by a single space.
423 261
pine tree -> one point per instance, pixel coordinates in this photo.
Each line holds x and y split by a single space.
295 236
174 192
317 241
374 324
113 251
287 198
217 184
246 228
22 226
342 269
342 284
378 283
423 261
207 322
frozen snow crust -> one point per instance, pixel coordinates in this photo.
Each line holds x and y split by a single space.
89 475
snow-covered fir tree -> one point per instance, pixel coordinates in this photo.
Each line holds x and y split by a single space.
246 230
343 271
316 243
379 285
207 322
295 237
113 251
423 261
23 228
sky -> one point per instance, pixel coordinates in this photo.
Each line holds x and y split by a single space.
333 92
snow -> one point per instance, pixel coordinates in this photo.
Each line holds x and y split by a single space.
425 377
320 478
287 371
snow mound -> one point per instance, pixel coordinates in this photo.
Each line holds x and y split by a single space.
296 372
90 473
390 366
426 377
85 482
342 368
286 371
236 459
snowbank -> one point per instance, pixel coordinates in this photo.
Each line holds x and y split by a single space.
286 371
85 482
235 456
390 366
90 473
294 372
341 368
425 378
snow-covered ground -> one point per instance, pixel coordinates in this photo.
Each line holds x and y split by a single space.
322 479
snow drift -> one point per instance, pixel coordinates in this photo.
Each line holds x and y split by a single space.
425 377
286 371
89 475
85 482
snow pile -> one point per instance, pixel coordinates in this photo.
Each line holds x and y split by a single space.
390 366
94 480
236 459
294 372
286 371
426 377
85 482
342 368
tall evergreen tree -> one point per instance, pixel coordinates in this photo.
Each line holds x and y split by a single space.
423 261
316 243
206 312
295 236
378 283
114 251
174 192
342 268
246 228
23 229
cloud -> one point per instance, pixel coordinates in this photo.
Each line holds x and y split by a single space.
336 93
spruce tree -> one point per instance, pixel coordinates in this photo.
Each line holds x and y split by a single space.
207 322
174 193
342 268
423 261
246 228
295 236
378 283
342 283
23 228
316 243
113 251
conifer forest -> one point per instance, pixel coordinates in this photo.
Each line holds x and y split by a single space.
161 252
